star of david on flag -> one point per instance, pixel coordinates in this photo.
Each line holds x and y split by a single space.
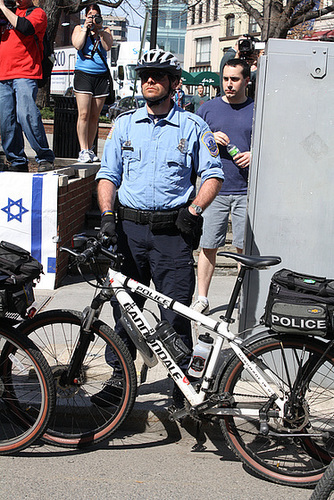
11 212
28 217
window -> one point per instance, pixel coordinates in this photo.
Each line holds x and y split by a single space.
175 21
252 25
161 19
200 13
203 50
215 10
208 6
192 15
183 20
230 25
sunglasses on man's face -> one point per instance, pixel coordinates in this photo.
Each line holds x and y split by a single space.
157 76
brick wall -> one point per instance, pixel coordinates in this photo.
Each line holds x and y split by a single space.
74 199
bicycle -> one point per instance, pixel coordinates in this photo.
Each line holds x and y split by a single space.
273 395
324 489
27 395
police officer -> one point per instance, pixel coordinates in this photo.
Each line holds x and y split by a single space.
152 157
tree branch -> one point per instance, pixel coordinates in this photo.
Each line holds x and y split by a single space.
312 15
251 11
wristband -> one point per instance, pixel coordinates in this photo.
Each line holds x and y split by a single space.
107 212
84 29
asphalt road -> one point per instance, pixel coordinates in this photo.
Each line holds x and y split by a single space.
140 466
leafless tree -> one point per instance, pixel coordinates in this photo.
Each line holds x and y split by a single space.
277 17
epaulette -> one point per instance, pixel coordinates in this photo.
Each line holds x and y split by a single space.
129 112
195 118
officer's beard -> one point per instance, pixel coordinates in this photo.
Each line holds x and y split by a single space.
156 101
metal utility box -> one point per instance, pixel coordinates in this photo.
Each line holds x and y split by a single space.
291 185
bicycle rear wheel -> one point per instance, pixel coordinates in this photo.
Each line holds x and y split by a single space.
290 460
27 395
78 422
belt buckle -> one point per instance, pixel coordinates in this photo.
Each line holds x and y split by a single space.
142 217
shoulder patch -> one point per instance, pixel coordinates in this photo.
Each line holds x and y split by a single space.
111 131
209 141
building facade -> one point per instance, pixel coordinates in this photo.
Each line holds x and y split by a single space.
172 26
213 26
118 27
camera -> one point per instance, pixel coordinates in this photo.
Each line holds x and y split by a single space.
97 19
10 4
246 46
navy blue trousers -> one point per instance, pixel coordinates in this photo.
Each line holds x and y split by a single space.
166 258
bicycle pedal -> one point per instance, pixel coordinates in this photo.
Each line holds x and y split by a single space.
176 413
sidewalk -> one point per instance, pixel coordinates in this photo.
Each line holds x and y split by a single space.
155 395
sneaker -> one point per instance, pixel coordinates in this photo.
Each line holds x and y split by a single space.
201 307
45 166
111 393
93 156
84 156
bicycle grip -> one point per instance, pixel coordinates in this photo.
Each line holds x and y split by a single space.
87 254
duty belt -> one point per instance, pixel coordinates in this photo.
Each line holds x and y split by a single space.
148 216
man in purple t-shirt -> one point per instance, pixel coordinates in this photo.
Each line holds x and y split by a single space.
230 118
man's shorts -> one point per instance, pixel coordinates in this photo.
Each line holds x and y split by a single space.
86 83
216 221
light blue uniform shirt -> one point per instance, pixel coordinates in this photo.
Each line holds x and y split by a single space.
152 164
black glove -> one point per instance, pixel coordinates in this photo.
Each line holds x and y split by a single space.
107 233
190 225
186 222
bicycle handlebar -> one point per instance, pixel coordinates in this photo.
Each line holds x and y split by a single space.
95 248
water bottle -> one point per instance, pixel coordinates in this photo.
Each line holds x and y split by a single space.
200 355
171 340
232 150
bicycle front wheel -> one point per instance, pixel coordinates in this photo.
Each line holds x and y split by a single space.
299 446
77 421
324 489
27 395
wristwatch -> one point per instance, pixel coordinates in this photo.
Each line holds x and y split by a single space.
197 208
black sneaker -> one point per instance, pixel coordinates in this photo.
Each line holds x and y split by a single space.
111 393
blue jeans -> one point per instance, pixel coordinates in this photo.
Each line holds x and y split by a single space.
19 113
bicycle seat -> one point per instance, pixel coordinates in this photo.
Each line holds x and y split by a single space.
253 261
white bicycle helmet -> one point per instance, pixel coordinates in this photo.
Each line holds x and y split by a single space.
159 59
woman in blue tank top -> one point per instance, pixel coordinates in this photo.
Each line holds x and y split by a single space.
91 77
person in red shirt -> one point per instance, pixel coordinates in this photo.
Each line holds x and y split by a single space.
21 51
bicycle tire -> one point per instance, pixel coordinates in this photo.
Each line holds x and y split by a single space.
325 486
77 422
297 461
27 392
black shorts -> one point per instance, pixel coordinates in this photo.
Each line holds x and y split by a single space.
86 83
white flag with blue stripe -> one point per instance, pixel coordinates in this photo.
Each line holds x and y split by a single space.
28 217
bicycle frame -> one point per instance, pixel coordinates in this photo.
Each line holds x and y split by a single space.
118 282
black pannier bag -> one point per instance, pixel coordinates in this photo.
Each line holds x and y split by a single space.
300 303
18 269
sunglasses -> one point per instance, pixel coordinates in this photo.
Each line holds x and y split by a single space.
157 76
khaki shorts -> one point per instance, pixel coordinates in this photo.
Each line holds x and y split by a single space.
216 221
